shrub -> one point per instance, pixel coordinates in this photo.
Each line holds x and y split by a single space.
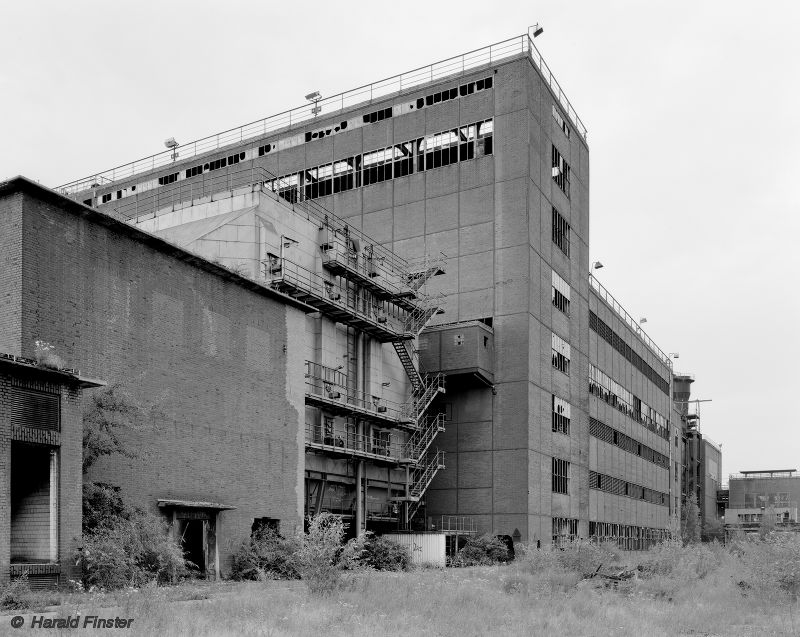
13 595
266 555
45 355
130 552
102 506
770 567
481 550
380 553
318 556
584 558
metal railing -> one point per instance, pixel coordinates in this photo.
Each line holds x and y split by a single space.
418 443
318 383
424 474
432 384
776 474
451 67
344 441
457 524
632 323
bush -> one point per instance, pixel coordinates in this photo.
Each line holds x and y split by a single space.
481 550
14 594
102 506
379 553
266 555
318 556
770 567
130 552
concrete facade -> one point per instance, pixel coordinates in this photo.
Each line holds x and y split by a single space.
509 207
214 358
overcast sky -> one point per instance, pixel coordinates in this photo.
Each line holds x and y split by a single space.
692 110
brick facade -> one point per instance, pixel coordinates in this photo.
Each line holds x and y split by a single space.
205 356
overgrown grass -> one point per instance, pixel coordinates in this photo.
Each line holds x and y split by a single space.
699 590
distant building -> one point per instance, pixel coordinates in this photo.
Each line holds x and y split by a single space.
757 494
701 457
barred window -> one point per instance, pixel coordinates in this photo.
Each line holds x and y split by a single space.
561 354
560 294
560 171
560 476
560 232
561 415
565 530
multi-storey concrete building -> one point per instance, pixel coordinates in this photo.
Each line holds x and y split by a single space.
454 197
756 494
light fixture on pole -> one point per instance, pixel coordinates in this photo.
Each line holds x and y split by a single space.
675 354
642 320
537 30
596 265
315 97
173 146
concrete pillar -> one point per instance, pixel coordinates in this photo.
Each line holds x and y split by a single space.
359 498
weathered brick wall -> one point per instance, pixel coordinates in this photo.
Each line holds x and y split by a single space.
10 273
205 353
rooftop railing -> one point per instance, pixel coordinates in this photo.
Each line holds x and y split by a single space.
765 475
632 323
451 67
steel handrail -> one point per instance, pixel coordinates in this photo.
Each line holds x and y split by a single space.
365 94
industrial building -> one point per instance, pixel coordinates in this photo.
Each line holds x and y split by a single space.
754 495
701 465
378 304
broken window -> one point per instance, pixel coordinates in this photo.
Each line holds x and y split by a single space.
194 171
560 121
403 159
560 171
560 295
561 354
561 415
560 476
561 232
377 116
106 198
263 150
377 166
167 179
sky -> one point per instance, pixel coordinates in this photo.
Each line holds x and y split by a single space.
692 111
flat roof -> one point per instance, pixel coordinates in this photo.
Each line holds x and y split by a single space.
25 185
194 504
65 376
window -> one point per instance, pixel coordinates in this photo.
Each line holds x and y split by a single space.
560 476
560 172
564 530
560 294
561 415
560 232
560 121
167 179
378 165
106 198
561 354
377 116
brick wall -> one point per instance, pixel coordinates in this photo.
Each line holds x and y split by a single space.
203 355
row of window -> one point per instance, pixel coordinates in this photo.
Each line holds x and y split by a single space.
603 432
308 136
631 538
560 232
561 171
560 476
597 325
561 415
561 354
609 390
617 486
561 294
424 153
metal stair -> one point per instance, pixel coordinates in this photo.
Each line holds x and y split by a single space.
423 476
407 359
424 270
419 442
432 384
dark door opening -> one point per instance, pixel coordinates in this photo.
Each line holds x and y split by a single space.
193 541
